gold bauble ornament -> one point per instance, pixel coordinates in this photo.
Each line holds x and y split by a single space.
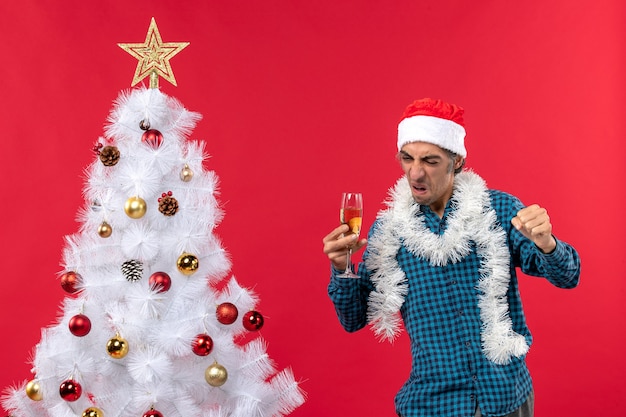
216 375
186 174
105 230
93 412
135 207
117 347
33 390
187 263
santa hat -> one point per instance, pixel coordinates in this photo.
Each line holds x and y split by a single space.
433 121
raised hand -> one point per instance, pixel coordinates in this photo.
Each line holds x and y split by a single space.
534 223
336 245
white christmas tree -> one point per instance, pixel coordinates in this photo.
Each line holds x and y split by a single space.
152 325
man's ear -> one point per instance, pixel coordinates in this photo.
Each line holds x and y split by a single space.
458 162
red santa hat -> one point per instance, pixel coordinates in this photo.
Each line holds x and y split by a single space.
433 121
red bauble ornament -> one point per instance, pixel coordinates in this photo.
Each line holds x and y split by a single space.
80 325
70 390
227 313
202 345
152 413
160 281
152 137
70 281
252 320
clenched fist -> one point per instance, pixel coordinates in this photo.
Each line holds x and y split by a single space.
534 223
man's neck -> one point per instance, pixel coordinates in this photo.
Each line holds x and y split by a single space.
439 206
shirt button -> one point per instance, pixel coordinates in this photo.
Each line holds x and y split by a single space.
453 282
474 377
460 312
468 344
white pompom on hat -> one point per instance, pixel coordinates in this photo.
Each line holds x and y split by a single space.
433 121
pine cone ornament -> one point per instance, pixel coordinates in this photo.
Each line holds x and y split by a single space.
168 205
109 156
132 270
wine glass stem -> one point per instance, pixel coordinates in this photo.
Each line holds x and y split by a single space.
349 262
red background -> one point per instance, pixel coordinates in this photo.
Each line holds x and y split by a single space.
300 102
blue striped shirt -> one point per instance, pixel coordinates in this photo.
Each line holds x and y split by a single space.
450 375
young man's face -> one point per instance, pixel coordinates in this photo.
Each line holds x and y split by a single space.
430 172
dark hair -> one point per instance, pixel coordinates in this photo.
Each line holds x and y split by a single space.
453 156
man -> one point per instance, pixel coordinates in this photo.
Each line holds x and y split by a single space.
443 256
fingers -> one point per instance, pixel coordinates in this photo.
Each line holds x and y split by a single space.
359 245
336 233
335 241
534 223
336 245
533 219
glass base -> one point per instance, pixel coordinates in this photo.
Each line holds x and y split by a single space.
347 274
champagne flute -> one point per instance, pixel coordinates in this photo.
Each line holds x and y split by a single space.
351 213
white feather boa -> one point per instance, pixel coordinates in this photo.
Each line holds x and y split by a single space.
401 224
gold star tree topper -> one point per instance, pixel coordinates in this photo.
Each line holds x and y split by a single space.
154 56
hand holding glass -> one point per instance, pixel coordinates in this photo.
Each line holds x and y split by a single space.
351 214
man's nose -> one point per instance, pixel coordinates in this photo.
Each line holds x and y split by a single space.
416 171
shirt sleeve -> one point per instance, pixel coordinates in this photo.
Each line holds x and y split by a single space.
560 267
350 295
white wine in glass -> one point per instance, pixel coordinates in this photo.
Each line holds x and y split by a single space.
351 213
